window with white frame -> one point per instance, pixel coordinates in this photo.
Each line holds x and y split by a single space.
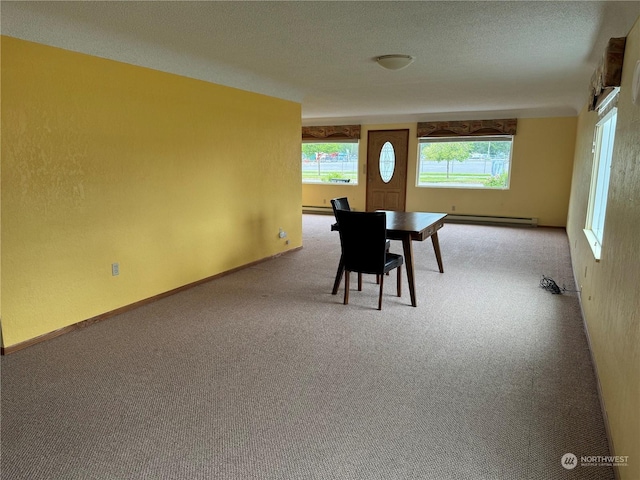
465 162
330 162
604 137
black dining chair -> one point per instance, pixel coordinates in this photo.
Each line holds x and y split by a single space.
342 203
363 239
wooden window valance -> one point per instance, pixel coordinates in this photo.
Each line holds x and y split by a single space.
608 75
468 128
330 132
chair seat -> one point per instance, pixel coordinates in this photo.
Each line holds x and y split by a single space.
393 261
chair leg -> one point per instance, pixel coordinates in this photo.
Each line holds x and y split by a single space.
399 281
347 274
339 273
380 296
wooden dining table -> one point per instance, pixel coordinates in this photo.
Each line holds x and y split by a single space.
407 227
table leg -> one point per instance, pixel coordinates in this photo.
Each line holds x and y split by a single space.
339 273
408 260
436 249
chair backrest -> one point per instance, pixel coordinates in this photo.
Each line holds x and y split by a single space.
341 203
363 238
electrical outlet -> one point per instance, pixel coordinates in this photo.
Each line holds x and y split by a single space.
115 269
453 208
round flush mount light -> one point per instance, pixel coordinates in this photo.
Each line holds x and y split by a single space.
395 61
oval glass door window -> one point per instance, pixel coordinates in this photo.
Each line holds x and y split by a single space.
387 162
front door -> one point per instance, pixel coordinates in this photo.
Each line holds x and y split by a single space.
387 152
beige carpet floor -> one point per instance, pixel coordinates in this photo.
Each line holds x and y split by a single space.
263 374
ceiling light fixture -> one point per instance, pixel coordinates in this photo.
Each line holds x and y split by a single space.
394 62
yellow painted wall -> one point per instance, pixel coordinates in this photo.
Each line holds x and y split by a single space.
610 299
174 178
542 161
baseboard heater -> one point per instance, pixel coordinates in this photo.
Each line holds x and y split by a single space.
321 210
490 220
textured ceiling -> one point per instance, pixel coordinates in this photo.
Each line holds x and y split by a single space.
473 59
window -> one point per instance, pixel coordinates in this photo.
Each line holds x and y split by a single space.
330 162
602 155
465 162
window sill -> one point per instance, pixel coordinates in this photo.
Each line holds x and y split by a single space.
330 184
593 242
463 187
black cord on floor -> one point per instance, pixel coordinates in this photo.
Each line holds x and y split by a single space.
551 286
